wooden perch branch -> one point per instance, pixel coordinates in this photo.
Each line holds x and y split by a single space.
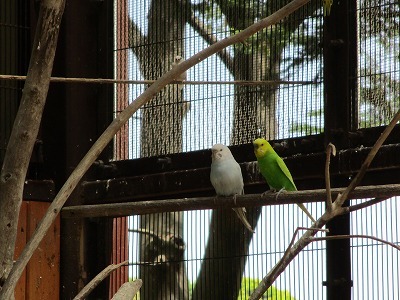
250 200
99 278
336 210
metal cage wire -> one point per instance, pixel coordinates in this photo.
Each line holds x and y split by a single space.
209 114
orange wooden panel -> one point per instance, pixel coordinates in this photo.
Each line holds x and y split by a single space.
119 254
19 245
43 276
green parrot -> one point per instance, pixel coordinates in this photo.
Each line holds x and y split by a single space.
275 171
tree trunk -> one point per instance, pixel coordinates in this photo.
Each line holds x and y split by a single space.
223 264
161 133
25 129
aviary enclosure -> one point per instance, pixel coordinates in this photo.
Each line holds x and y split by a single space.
311 79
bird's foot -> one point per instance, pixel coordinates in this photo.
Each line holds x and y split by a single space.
279 192
270 191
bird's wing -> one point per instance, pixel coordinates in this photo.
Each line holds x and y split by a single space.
285 170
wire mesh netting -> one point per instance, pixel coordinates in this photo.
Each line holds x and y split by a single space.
375 265
151 36
276 225
378 61
15 38
192 117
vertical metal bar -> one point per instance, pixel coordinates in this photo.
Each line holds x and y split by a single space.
340 69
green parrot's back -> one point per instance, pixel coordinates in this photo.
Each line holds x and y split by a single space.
275 172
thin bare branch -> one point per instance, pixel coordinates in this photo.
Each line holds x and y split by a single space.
365 204
99 278
188 82
352 236
330 150
295 235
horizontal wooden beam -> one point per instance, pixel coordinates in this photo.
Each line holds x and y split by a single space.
243 153
185 204
307 171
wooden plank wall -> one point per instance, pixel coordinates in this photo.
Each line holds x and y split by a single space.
41 278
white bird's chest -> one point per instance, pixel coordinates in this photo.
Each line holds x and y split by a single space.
226 177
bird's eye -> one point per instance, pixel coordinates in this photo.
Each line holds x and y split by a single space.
220 149
262 144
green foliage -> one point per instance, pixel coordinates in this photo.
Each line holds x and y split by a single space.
303 129
249 285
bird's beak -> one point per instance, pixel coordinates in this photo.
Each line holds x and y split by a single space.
213 151
255 146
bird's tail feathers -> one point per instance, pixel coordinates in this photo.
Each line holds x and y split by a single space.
242 216
303 208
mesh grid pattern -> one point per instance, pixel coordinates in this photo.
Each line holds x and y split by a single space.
378 62
302 279
195 117
375 266
14 54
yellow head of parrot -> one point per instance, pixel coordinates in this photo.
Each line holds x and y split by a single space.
261 147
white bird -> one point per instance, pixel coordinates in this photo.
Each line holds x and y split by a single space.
226 178
182 77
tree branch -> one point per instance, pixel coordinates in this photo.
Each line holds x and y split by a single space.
249 200
23 136
99 278
365 204
128 290
294 238
147 81
350 236
330 150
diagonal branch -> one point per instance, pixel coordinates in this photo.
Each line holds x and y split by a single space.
98 279
294 238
